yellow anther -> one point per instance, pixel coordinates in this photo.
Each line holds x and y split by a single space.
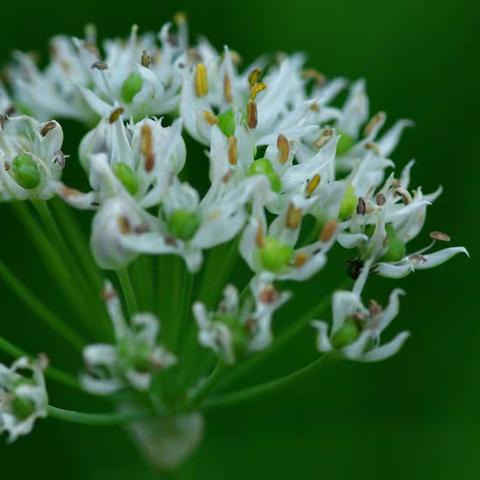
374 121
123 224
232 150
300 259
260 236
294 217
201 80
256 89
323 138
328 231
312 185
180 17
254 76
252 114
227 88
283 149
210 117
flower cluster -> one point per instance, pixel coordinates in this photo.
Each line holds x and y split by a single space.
292 174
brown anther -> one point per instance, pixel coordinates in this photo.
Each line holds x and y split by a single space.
46 127
142 228
99 65
323 139
315 107
2 121
374 121
227 88
312 74
260 236
294 217
146 146
116 114
380 199
170 240
406 197
254 76
252 114
70 192
418 258
60 158
283 149
232 150
146 60
180 17
226 178
300 259
201 80
6 166
268 295
361 206
256 89
210 117
328 231
442 237
374 308
312 185
123 224
373 147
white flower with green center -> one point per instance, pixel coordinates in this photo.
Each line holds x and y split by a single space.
23 396
31 159
133 360
355 332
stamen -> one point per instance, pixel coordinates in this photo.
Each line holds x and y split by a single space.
70 192
442 237
252 114
374 308
116 114
146 147
60 158
374 121
328 231
324 137
300 259
146 60
256 89
260 237
254 76
406 197
180 17
210 117
227 88
201 80
123 224
108 293
294 217
46 127
99 65
361 206
312 74
232 150
373 147
268 294
380 199
283 149
312 185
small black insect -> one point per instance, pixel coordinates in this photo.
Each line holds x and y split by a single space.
354 267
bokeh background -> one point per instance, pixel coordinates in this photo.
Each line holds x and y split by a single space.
415 416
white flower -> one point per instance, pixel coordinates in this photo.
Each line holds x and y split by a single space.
31 159
23 396
355 331
135 357
239 327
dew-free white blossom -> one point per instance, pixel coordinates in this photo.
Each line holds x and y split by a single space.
23 396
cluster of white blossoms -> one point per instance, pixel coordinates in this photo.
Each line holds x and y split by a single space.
280 149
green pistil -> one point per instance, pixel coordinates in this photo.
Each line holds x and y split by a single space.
25 171
274 255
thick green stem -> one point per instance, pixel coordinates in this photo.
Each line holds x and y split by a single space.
37 307
198 397
128 291
96 419
264 388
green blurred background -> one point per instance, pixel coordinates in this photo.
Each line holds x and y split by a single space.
415 416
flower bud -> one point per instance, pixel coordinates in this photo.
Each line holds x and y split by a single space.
131 86
345 143
23 407
25 171
348 204
346 334
183 224
226 122
126 176
238 332
274 255
264 166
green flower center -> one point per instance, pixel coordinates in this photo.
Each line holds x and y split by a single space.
348 204
131 86
226 122
183 224
25 171
263 166
274 255
345 142
126 176
346 334
22 407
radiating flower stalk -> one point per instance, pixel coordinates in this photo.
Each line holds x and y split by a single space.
158 313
